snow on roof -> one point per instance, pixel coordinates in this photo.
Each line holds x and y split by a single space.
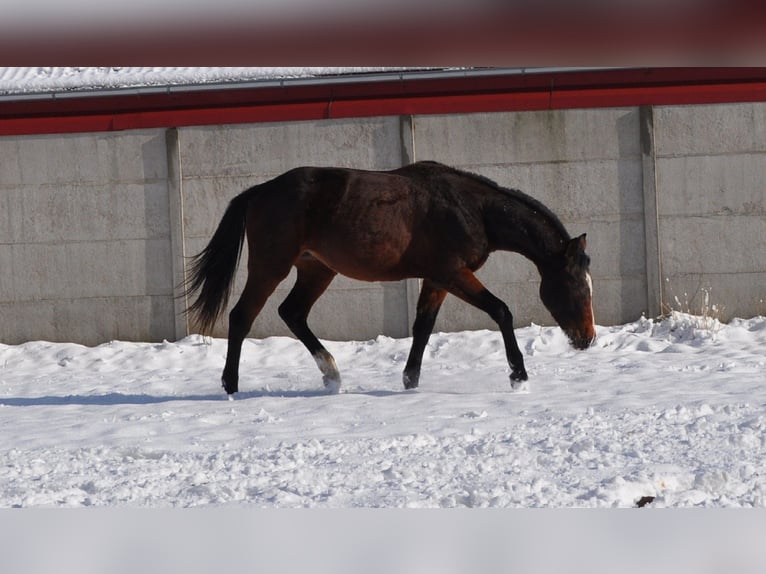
64 79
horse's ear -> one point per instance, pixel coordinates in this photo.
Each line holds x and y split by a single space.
576 245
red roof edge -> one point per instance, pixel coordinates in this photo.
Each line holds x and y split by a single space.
478 91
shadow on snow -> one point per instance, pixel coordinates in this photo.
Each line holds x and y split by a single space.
113 399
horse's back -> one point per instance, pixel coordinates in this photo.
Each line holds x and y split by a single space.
371 225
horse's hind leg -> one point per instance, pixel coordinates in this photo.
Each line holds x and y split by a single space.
313 279
429 303
257 290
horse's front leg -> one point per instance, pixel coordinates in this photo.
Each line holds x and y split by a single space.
429 302
504 319
467 287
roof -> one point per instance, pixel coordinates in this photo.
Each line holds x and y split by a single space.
211 96
17 82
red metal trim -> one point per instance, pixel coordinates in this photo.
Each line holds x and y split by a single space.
523 92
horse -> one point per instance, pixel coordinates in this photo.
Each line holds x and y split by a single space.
425 220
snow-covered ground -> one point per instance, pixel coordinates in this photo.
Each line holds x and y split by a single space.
671 409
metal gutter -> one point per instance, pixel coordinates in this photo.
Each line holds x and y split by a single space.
409 74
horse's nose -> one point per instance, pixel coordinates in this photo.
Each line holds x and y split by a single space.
582 340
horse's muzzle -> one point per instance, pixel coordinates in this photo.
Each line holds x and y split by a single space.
581 340
582 344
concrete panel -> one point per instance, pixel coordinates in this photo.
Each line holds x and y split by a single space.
711 170
72 212
575 191
28 321
710 129
731 184
38 272
6 272
266 150
619 300
721 296
205 200
116 318
527 137
616 247
88 321
507 267
714 244
134 156
86 249
9 227
90 269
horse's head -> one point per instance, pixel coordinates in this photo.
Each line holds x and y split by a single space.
567 291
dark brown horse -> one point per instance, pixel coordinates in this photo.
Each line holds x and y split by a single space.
424 220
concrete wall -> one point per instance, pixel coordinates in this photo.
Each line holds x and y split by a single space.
95 228
84 238
711 181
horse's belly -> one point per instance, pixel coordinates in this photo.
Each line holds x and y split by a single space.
369 241
366 257
375 265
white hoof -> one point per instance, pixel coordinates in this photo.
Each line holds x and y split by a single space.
520 386
332 385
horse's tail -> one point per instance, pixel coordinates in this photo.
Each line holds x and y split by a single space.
212 270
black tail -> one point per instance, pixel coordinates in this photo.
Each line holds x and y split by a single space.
213 269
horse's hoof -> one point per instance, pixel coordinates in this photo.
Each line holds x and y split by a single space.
410 381
230 388
518 375
520 386
332 384
518 380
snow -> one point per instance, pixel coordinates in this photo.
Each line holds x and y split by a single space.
671 409
57 79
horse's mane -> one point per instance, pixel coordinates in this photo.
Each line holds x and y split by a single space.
515 194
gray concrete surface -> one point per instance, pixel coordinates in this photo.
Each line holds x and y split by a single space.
84 238
711 174
95 229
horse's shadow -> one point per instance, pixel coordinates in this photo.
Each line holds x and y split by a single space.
117 399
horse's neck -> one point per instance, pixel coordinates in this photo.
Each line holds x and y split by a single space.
515 225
